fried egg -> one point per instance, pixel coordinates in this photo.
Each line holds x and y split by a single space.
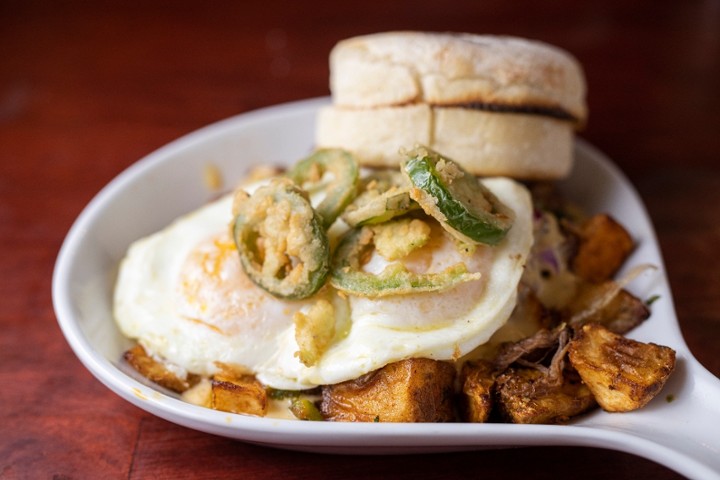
183 295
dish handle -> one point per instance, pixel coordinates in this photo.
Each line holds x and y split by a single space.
680 431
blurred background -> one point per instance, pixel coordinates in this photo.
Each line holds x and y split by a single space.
88 88
117 65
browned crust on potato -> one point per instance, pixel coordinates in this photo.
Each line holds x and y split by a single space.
621 314
623 374
604 246
413 390
477 379
238 394
524 396
155 371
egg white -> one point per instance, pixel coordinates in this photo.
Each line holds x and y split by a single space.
182 294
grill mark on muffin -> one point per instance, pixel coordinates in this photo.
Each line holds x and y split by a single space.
553 112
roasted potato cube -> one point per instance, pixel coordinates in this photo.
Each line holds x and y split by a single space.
199 394
604 246
621 314
238 394
414 390
476 380
623 374
523 395
155 370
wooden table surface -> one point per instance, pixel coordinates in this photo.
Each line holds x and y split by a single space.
87 88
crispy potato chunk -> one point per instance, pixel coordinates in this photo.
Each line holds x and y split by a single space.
414 390
524 396
621 314
238 393
199 394
623 374
604 246
476 380
157 371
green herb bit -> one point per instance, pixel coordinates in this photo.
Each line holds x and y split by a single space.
277 394
652 299
304 409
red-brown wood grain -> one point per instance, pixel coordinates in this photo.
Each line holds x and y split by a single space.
87 88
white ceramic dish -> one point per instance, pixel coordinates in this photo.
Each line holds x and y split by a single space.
682 434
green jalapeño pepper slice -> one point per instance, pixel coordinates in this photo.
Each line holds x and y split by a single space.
332 171
282 244
304 409
347 276
385 194
463 206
